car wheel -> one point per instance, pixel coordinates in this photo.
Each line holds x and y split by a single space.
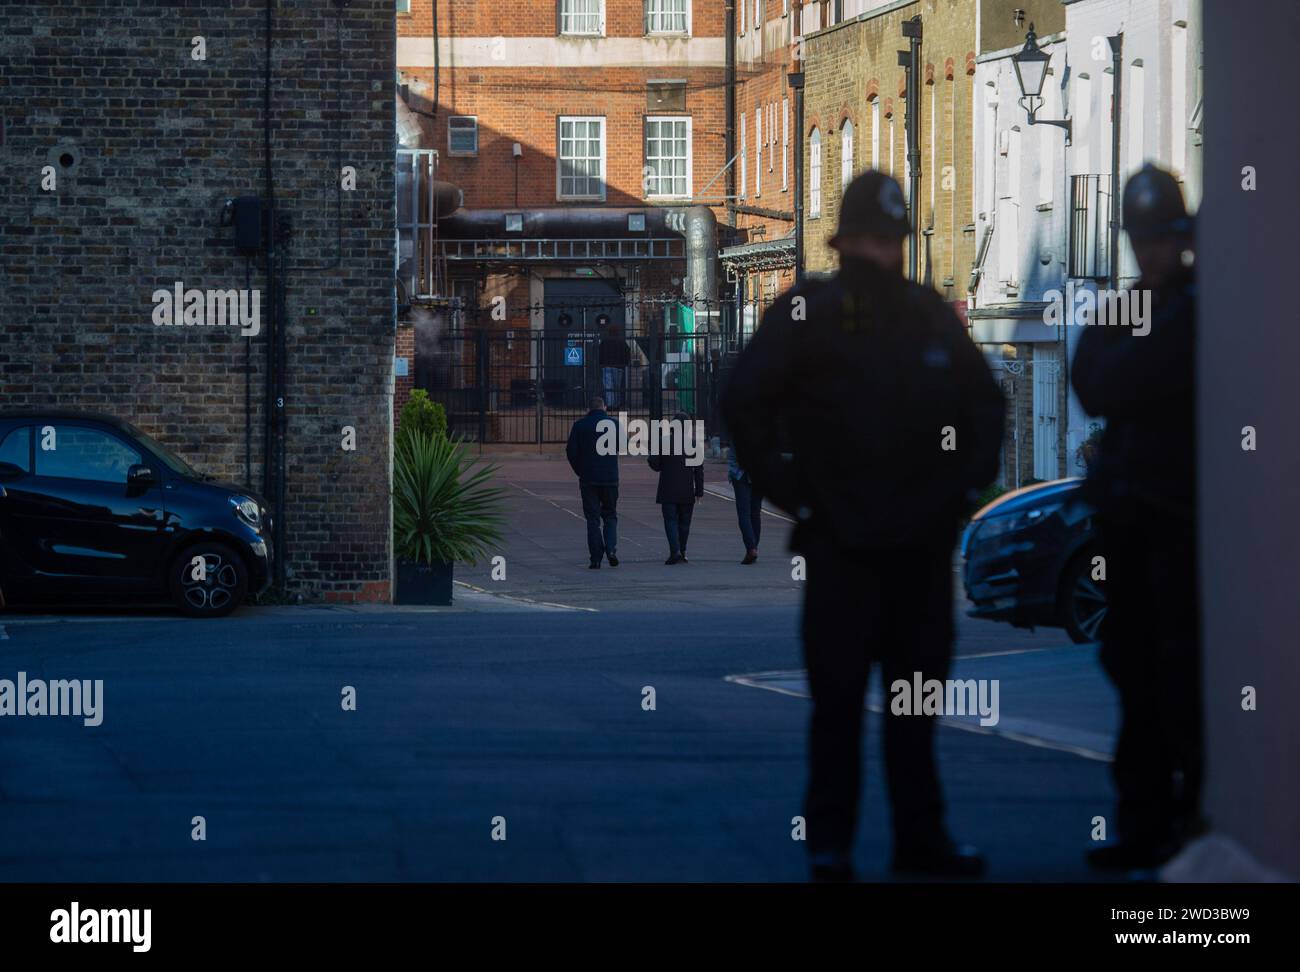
1082 600
215 589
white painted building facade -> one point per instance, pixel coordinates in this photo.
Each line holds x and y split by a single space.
1042 203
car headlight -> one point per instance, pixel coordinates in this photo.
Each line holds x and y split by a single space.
993 527
248 510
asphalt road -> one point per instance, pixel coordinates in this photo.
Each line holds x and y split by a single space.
523 702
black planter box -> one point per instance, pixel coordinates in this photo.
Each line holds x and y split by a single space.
423 583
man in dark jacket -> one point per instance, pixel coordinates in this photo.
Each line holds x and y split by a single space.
680 486
861 407
1143 485
597 472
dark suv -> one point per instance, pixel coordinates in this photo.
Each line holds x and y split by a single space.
92 509
1029 560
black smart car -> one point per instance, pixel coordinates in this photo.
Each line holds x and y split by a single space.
1029 560
92 509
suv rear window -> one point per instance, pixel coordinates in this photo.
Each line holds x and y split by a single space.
16 449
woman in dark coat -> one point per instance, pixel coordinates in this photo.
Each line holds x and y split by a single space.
680 486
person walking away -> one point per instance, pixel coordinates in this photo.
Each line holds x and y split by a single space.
614 361
861 407
749 507
679 487
597 483
1143 485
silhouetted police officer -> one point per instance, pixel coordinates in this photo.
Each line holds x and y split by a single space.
862 407
1143 484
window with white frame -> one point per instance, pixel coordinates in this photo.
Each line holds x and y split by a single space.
581 155
582 17
889 159
404 6
785 144
846 155
875 133
758 149
667 16
815 174
744 156
771 136
1135 94
668 155
462 135
934 141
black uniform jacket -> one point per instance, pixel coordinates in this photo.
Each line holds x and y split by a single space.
873 419
1144 386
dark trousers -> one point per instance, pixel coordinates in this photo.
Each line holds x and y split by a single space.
677 524
1151 651
892 607
749 511
600 507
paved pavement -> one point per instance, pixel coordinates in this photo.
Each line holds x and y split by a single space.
505 706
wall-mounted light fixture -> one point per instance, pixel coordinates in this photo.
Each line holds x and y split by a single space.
1031 71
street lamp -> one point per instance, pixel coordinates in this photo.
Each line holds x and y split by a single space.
1031 71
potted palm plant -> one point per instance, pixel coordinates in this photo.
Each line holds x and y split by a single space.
444 511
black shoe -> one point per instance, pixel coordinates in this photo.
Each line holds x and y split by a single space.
613 561
594 565
1130 856
940 860
674 559
684 560
750 556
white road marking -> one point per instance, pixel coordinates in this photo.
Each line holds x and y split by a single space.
519 599
576 516
732 498
1029 732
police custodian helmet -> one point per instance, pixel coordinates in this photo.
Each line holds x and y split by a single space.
873 205
1153 205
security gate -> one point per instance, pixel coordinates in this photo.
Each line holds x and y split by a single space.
530 386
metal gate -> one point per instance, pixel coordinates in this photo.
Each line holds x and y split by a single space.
530 386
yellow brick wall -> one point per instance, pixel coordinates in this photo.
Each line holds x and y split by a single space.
851 64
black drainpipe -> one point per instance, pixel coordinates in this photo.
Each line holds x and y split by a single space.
269 218
731 111
796 85
273 470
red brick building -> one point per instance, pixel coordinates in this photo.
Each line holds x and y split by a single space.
767 49
583 144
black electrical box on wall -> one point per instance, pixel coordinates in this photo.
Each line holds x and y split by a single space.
249 224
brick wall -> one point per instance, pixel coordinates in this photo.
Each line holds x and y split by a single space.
523 105
766 55
851 65
156 141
